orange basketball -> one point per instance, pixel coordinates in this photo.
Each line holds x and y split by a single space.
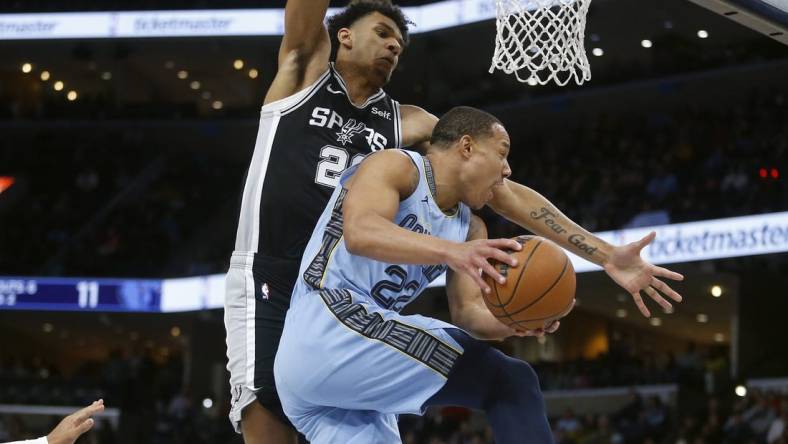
538 290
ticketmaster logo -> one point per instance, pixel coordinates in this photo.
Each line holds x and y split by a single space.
679 244
19 29
174 25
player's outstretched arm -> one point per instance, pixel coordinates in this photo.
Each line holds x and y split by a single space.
623 264
305 49
467 307
382 181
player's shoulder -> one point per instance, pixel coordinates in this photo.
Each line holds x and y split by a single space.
393 166
394 160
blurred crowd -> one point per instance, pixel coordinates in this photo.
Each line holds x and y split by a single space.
156 406
147 390
758 418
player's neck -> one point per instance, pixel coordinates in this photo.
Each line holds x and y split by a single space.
447 194
359 86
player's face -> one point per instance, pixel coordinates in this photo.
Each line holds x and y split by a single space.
488 167
377 43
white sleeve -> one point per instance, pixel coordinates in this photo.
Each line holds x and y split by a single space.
42 440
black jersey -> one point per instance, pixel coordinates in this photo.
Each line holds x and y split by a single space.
304 143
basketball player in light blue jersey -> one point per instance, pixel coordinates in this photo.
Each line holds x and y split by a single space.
348 361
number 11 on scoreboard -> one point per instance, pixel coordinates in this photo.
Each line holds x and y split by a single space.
88 294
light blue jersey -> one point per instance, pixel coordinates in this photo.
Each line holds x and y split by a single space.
327 263
348 361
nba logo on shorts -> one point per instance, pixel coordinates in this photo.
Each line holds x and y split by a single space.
264 288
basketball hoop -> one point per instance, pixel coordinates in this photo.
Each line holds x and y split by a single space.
542 40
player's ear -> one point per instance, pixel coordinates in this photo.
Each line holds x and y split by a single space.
345 38
466 146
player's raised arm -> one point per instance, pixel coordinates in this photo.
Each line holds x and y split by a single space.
531 210
305 49
374 194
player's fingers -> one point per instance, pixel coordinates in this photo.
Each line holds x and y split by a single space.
653 294
664 272
86 412
473 272
640 304
84 426
500 256
645 240
491 271
509 244
553 327
665 288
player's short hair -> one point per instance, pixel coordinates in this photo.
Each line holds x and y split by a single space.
460 121
358 9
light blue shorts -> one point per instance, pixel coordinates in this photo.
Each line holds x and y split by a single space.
346 367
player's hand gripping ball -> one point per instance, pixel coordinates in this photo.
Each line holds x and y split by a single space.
539 290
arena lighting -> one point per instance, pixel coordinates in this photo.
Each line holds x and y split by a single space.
47 327
27 67
719 337
716 291
655 321
599 52
194 85
646 43
775 173
621 313
253 73
44 75
207 403
58 86
169 64
182 74
217 104
106 75
6 182
763 173
71 96
703 34
175 331
238 64
741 391
702 318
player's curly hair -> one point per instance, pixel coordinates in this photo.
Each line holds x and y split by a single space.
360 8
462 120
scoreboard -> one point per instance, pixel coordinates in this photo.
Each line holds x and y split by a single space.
80 294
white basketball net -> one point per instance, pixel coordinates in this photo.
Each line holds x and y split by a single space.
542 40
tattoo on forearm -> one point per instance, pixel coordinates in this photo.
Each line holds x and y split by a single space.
578 240
547 216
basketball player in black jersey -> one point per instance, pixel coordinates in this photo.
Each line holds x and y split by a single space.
319 118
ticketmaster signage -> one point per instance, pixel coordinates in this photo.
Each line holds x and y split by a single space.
209 23
710 239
